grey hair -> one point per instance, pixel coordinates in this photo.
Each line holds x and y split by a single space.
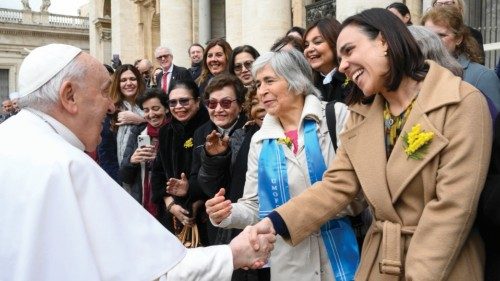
46 97
433 49
293 67
162 48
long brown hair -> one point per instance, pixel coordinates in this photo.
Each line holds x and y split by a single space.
116 94
204 68
451 18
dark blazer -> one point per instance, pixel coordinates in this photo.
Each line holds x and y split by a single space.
335 90
178 73
488 215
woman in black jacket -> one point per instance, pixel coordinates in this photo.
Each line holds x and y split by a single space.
174 157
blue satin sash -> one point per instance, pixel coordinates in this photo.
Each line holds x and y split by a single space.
338 235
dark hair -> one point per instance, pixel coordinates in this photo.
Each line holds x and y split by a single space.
451 17
283 41
247 105
197 45
242 49
188 85
402 10
223 80
329 28
109 68
204 68
151 94
115 92
297 29
403 53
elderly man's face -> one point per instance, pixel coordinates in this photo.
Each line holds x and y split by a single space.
164 58
93 102
7 106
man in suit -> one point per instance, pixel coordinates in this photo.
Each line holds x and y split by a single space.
170 72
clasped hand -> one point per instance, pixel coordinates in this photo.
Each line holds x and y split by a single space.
252 247
178 187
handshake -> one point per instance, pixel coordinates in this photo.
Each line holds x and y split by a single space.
252 247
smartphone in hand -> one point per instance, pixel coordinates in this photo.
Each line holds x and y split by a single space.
143 140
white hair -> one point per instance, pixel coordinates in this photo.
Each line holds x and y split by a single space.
47 96
293 67
163 48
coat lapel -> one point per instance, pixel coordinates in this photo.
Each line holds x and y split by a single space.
399 161
365 145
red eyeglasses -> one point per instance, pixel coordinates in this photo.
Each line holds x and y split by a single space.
224 103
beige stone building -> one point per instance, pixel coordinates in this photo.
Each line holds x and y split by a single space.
24 30
133 28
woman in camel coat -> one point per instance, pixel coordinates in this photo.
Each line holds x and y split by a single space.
418 149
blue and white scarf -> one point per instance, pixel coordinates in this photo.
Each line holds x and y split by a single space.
338 235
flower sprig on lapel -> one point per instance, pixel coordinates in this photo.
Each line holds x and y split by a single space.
188 143
346 82
286 141
416 142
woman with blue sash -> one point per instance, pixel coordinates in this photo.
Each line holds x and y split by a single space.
287 155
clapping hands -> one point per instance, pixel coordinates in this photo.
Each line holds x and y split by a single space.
214 144
178 187
218 208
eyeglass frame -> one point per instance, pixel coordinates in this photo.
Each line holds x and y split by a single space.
166 56
224 103
182 102
448 3
238 67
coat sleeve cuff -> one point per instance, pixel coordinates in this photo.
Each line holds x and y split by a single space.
279 224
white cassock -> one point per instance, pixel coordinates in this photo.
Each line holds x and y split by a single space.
63 218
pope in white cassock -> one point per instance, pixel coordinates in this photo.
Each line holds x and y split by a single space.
61 216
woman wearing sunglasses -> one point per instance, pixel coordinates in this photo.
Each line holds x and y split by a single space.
173 160
240 63
141 147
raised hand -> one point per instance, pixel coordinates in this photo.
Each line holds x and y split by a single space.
143 154
178 187
218 208
214 144
244 255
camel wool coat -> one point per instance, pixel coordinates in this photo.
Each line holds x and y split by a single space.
423 209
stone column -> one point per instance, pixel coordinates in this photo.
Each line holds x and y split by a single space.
347 8
176 28
234 22
415 7
125 31
265 21
204 21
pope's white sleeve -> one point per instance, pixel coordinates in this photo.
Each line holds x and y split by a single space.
246 211
209 263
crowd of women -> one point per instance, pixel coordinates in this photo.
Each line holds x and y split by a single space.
366 145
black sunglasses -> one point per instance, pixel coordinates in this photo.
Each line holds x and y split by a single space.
181 101
224 103
239 66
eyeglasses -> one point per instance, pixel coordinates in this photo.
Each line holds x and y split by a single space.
224 103
447 3
181 101
239 66
163 57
